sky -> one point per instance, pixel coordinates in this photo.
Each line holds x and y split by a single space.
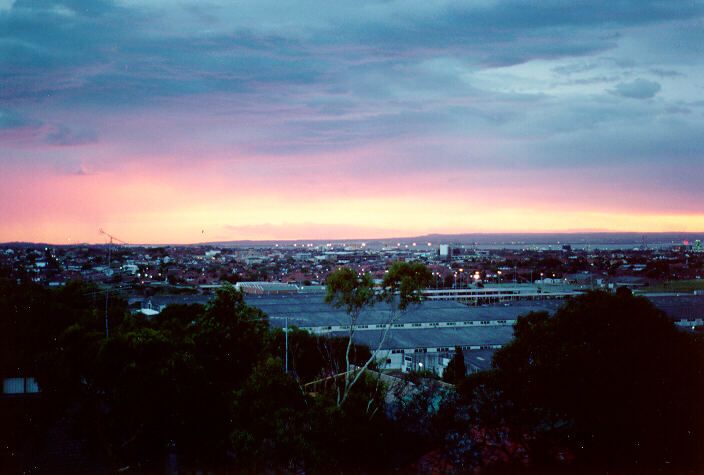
181 122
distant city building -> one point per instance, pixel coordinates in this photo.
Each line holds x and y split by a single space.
445 251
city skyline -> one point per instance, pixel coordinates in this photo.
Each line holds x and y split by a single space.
192 122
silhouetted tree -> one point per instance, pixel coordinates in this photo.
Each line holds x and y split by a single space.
400 288
456 369
615 372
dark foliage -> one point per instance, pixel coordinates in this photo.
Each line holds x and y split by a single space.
311 357
609 376
203 384
456 368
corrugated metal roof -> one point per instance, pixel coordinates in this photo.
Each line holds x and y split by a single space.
682 306
311 310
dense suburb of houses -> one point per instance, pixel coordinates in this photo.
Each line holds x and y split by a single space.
476 296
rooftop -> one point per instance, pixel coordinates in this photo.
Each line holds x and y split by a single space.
310 310
435 337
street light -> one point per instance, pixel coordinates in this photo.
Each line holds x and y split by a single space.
499 274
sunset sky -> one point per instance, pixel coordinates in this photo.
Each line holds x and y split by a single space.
178 122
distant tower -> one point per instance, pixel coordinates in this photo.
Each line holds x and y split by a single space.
445 251
644 243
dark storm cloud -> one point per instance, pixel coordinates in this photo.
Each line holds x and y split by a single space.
325 77
97 52
116 53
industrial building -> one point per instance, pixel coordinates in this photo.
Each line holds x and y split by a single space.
488 294
425 337
431 328
266 288
686 311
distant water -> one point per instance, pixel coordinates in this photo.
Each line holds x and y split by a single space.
555 241
575 246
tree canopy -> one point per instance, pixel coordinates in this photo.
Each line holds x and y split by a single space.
206 383
456 369
405 281
401 287
608 374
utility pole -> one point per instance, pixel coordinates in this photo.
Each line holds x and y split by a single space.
107 294
107 287
286 358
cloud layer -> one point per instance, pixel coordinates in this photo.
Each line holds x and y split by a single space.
372 115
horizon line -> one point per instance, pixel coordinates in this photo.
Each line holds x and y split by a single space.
370 239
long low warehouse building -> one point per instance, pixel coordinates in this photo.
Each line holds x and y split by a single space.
310 312
426 335
430 348
686 311
433 328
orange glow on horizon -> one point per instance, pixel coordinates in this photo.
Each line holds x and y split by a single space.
145 206
384 218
